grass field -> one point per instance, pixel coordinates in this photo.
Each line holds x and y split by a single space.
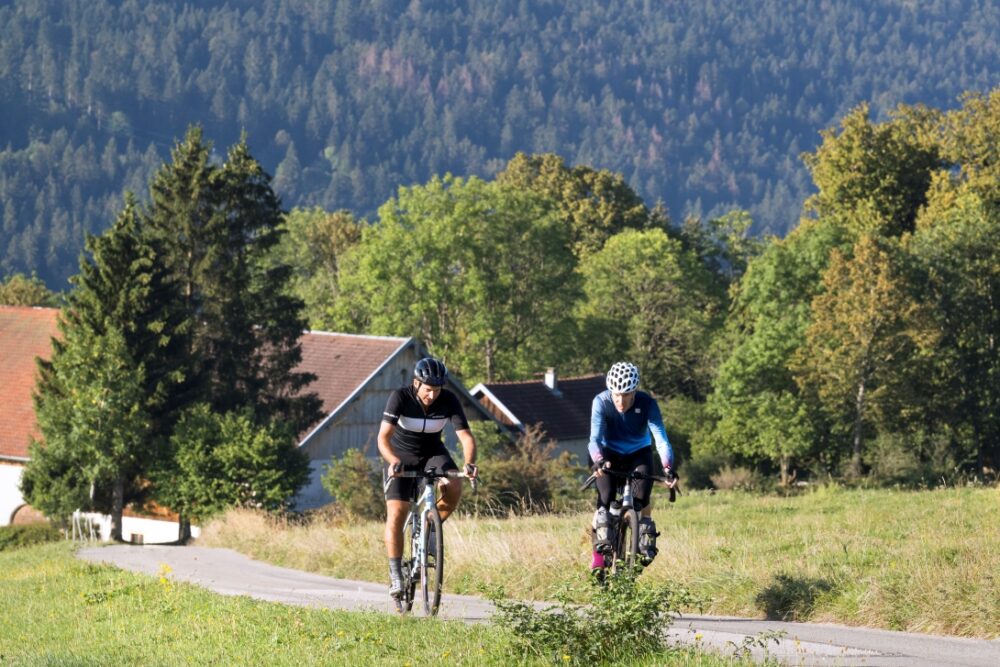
921 561
57 610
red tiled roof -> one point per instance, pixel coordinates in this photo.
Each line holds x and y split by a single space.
563 414
25 333
342 362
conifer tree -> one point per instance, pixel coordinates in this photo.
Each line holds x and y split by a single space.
217 225
106 394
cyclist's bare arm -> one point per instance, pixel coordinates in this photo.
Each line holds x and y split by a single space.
468 449
385 432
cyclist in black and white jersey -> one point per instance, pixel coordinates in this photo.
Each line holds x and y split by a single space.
410 439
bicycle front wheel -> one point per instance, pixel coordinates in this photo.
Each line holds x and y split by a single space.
432 568
627 544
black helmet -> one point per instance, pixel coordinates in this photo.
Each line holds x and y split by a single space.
430 371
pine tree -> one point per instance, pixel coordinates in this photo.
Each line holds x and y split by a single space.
218 225
106 395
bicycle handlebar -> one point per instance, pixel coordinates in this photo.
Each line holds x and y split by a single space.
433 474
633 474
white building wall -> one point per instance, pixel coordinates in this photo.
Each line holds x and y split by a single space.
138 530
577 448
10 491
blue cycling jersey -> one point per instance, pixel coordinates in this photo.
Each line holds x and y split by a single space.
630 431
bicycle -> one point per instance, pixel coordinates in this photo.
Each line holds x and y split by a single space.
417 563
623 527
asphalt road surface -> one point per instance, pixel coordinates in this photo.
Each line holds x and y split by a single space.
230 573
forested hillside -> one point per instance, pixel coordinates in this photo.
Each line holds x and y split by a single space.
704 105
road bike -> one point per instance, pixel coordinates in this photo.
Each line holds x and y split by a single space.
423 562
623 519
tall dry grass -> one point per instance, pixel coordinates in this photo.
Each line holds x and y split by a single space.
919 561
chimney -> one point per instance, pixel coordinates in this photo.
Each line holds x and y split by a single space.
550 379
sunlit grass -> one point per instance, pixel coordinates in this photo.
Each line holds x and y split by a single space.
58 610
922 561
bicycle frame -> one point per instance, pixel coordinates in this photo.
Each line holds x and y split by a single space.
420 565
419 510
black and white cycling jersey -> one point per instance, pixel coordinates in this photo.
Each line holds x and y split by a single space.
418 429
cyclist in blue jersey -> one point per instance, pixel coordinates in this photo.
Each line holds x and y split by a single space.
624 425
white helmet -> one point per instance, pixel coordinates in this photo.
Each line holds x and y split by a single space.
623 377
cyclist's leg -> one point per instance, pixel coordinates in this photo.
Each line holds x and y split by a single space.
644 462
605 485
450 492
397 509
396 513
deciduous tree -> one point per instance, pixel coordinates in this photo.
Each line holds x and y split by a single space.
482 272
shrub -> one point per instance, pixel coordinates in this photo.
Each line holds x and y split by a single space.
736 479
13 537
355 482
698 472
624 621
525 477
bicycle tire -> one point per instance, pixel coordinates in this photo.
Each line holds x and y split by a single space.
432 571
409 566
627 542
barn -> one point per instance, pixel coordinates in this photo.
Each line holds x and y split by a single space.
356 374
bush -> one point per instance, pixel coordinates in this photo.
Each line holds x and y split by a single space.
13 537
697 473
355 482
525 477
624 621
736 479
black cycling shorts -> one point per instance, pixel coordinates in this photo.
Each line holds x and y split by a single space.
639 461
406 488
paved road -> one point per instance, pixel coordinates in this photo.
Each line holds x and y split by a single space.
230 573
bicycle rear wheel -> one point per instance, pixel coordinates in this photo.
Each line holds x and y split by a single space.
627 542
432 568
405 603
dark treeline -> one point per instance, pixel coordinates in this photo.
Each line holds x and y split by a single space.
703 105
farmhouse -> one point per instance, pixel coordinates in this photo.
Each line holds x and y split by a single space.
560 407
25 333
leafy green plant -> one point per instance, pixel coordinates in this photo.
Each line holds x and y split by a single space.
761 640
13 537
355 484
623 621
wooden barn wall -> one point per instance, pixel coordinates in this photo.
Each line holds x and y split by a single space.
357 426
